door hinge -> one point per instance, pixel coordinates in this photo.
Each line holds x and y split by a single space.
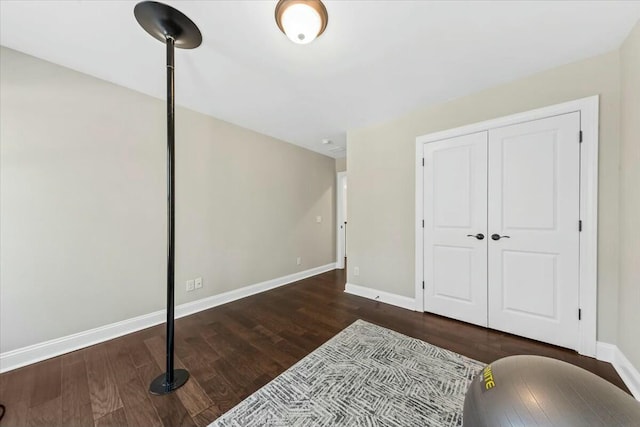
423 223
423 161
423 284
580 225
580 139
579 314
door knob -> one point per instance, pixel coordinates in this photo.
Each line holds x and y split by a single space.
498 237
478 236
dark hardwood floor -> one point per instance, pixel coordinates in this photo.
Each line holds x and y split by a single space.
230 351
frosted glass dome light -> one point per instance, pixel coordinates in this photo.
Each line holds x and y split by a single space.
301 20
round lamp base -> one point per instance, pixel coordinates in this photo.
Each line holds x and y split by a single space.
159 386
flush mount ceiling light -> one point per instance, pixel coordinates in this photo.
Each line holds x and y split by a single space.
301 20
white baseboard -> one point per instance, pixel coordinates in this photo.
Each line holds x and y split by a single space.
37 352
45 350
605 351
236 294
376 295
629 374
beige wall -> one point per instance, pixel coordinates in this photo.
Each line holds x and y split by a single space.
341 165
381 189
629 314
82 212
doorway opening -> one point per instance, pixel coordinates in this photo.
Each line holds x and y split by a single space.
341 219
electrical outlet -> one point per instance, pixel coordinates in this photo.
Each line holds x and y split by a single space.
356 271
298 261
198 282
318 219
190 285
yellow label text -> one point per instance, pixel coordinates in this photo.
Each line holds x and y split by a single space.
487 375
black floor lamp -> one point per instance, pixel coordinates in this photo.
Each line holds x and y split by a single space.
174 29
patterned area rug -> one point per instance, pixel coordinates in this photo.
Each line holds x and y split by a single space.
364 376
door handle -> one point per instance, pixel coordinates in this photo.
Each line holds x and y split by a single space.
498 237
478 236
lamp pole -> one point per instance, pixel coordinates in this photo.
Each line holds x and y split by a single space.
174 29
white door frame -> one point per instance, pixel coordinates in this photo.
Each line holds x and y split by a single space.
588 108
340 249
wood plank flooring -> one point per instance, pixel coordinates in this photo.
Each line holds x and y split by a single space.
230 351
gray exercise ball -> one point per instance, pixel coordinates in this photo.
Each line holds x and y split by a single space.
540 391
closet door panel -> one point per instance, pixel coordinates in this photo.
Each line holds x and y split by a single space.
455 208
533 205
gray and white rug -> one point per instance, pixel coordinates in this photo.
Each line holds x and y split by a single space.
364 376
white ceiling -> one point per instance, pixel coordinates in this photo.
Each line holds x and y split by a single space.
376 60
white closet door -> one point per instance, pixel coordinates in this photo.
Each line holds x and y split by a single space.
534 200
455 210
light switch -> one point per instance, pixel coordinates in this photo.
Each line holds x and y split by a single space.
318 219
